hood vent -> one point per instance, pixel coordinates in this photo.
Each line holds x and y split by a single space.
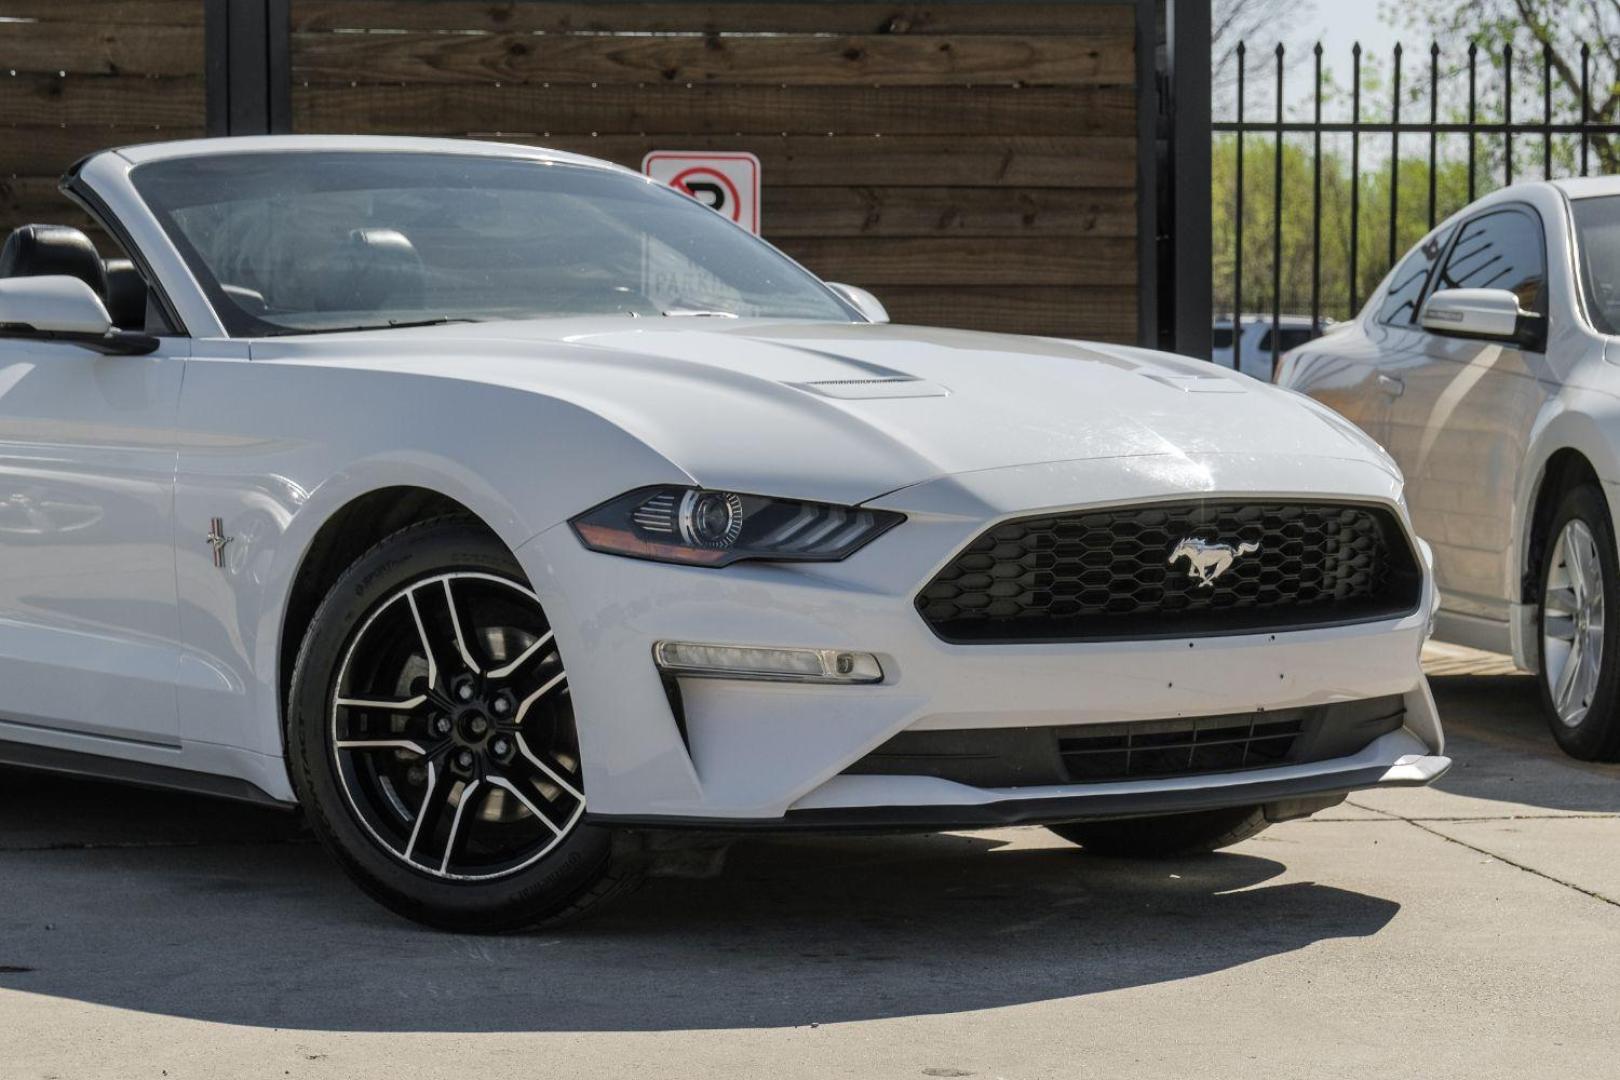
1196 384
902 386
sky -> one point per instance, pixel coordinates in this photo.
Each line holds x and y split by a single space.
1338 25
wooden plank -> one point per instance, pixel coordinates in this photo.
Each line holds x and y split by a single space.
892 161
1106 313
953 260
898 161
102 101
100 49
35 199
718 110
798 60
922 211
48 150
87 13
711 18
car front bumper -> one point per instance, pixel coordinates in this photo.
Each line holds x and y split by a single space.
734 753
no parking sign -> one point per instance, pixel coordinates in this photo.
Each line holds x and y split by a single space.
725 182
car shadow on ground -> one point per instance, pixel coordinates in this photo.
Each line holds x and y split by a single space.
1502 749
181 906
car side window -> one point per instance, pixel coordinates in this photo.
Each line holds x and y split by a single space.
1406 285
1503 249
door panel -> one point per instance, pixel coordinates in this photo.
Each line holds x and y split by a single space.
1360 370
88 619
1461 428
1461 432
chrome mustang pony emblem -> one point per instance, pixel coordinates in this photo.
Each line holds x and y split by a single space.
1206 561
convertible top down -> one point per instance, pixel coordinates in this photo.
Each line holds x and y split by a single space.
488 501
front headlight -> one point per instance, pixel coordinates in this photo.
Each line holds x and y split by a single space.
699 527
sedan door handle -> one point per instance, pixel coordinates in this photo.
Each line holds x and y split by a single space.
1391 385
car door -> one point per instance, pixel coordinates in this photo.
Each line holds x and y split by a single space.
1395 340
1357 367
88 618
1460 424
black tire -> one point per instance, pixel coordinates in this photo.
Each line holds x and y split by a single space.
1595 734
1166 837
576 873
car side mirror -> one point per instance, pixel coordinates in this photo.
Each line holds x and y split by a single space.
61 308
870 307
1486 314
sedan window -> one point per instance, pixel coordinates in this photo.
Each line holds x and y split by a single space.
326 241
1406 285
1597 228
1500 250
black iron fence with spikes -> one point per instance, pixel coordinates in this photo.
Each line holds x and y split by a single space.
1567 129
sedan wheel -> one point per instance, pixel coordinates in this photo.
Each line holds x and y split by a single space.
1572 626
1579 574
433 742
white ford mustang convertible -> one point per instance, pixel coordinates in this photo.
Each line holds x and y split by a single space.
497 505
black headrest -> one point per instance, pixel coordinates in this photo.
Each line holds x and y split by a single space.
46 250
380 268
126 295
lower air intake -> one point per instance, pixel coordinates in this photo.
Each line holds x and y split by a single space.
1138 750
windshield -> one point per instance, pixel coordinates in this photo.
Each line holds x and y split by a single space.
1597 225
303 242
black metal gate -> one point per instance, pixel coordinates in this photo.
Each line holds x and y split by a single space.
1565 143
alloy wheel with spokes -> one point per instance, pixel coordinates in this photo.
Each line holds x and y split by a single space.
455 743
1572 622
432 739
1579 574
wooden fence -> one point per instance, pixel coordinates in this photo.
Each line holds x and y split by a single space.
974 163
80 75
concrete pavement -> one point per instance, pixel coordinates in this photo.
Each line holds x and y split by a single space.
1472 930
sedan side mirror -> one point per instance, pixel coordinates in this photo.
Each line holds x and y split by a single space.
62 308
871 309
1488 314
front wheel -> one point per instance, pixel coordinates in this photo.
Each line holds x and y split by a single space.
432 738
1167 836
1580 670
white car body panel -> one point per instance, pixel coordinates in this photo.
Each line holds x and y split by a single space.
1474 424
530 423
88 636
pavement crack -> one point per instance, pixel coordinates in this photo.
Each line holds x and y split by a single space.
1416 824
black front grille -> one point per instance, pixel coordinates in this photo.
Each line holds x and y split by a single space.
1136 750
1107 574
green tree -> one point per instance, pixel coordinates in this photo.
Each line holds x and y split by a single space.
1297 218
1559 37
1551 32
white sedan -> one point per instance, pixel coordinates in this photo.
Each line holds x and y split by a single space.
1485 363
493 504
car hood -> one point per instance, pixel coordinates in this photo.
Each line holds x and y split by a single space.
847 412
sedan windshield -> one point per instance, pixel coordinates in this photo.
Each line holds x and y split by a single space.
307 242
1597 224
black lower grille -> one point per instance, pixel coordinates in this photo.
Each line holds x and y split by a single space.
1177 747
1120 573
1137 750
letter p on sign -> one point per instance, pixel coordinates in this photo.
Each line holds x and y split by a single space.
727 183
